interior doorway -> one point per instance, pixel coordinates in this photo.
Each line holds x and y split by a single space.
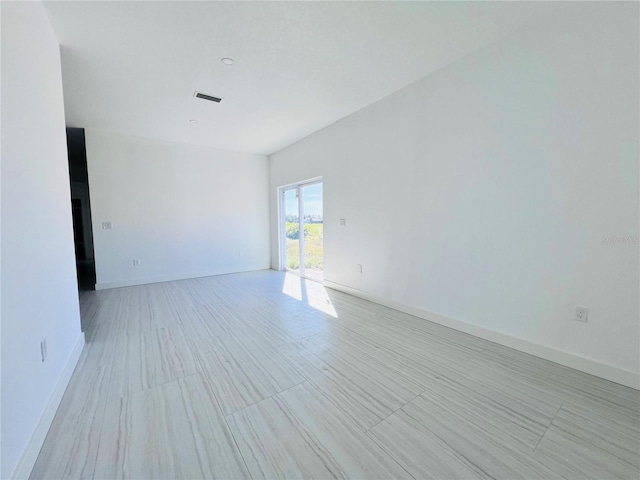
81 209
302 229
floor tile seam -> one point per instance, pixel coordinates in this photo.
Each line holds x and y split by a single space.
548 428
471 423
147 389
313 384
590 444
395 411
224 417
451 449
263 399
104 414
387 452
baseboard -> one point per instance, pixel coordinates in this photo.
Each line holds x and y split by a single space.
30 454
168 278
587 365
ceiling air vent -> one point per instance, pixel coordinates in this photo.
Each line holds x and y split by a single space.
204 96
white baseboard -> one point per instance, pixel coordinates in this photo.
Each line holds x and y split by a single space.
31 452
168 278
587 365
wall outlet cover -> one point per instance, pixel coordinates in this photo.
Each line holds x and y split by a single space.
43 349
582 314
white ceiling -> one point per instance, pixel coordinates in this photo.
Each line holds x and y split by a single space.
132 67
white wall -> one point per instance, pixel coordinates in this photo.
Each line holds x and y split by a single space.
39 289
184 211
483 192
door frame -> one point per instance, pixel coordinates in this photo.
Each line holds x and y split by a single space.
282 222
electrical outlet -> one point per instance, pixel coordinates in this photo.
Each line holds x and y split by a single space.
360 268
136 262
43 349
343 222
582 314
106 225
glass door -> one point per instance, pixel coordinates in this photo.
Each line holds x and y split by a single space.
302 229
312 248
291 230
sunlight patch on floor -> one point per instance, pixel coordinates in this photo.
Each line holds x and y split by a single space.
318 298
292 286
312 293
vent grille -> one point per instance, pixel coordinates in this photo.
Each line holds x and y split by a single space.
204 96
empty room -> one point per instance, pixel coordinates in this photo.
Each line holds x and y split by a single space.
316 240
